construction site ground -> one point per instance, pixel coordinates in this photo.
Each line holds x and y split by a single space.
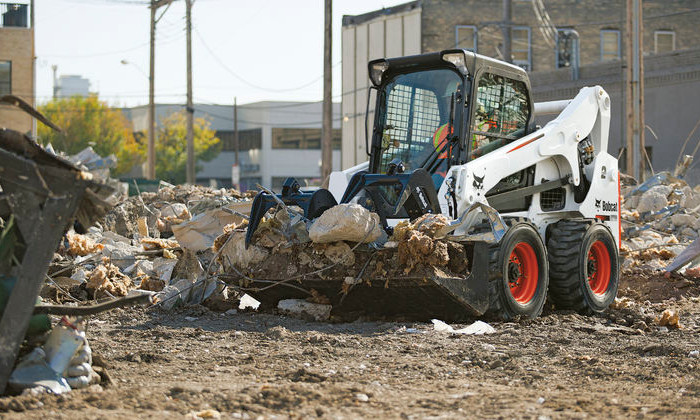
619 364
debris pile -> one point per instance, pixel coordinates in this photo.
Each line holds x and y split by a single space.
660 217
135 247
346 243
63 362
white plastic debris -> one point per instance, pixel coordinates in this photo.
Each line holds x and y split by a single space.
200 232
248 301
477 328
694 353
63 363
299 307
63 343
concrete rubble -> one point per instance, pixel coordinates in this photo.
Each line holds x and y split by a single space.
136 247
345 244
186 244
660 219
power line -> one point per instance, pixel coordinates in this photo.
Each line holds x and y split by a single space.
244 81
114 2
164 41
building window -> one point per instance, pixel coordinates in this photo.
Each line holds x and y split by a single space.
567 54
520 47
247 139
5 77
465 37
301 138
609 44
14 15
664 41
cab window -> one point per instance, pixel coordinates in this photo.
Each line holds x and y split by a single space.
500 115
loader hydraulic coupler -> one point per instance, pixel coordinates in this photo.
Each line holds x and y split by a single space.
313 203
400 196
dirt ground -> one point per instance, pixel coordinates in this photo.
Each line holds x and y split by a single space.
619 364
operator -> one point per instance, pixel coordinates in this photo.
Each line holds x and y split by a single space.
441 138
482 124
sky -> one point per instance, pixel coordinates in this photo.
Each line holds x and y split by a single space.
254 50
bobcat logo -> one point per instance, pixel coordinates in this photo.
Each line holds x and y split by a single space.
479 182
597 204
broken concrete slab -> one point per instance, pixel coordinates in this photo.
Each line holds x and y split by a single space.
235 253
654 199
346 222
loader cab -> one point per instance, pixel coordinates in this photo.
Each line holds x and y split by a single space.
440 109
501 110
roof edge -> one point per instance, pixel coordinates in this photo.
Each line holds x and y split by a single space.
349 20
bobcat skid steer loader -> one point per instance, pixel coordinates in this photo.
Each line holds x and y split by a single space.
537 208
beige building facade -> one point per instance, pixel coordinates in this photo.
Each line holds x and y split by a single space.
16 63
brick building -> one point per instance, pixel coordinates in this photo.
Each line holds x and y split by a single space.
475 25
16 63
542 43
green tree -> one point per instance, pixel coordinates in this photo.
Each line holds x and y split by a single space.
87 121
171 146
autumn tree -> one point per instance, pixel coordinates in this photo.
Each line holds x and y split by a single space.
87 121
171 146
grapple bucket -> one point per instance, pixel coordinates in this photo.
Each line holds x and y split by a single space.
415 297
313 203
414 192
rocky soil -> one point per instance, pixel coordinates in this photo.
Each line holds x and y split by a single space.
191 361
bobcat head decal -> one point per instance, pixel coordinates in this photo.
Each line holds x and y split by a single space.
479 182
597 204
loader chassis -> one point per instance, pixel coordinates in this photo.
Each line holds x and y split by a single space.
454 133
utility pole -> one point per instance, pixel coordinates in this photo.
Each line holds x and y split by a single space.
55 81
641 124
236 175
634 92
190 109
506 28
32 22
327 127
151 155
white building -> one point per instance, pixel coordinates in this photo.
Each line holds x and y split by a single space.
276 140
71 85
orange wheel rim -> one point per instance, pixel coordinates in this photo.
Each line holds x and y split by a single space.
598 268
523 273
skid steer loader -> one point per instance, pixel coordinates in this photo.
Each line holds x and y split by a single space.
538 208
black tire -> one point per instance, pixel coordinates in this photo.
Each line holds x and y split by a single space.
579 252
513 289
